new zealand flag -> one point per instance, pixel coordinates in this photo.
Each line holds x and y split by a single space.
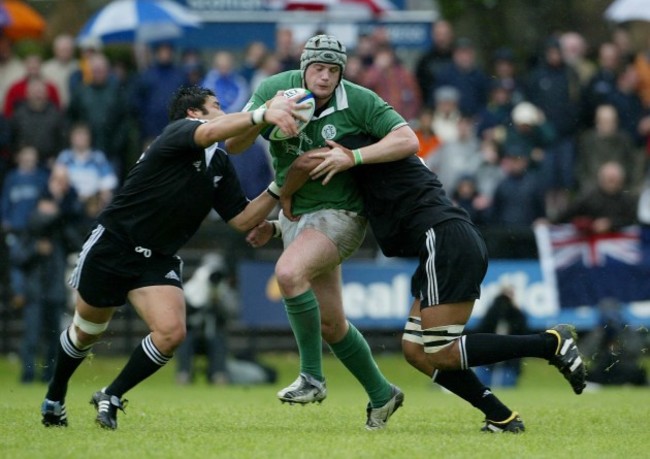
587 267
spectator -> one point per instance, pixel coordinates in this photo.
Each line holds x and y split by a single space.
574 50
497 111
286 50
489 173
90 172
603 143
38 122
5 147
254 56
464 74
253 167
605 208
17 93
554 87
224 80
153 90
517 204
103 105
643 209
632 115
529 133
354 69
208 317
446 114
505 74
88 48
61 66
42 255
437 57
270 66
192 65
465 194
20 192
601 84
503 317
456 158
11 67
429 141
394 83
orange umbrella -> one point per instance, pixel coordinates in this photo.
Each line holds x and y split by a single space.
19 20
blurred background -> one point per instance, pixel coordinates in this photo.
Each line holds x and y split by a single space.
535 116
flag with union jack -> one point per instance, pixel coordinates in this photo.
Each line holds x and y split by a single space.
584 268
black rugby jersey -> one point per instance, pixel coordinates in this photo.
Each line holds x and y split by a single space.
402 200
171 189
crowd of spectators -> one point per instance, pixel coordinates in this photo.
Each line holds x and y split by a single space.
514 139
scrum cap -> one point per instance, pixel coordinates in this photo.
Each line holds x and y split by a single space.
325 49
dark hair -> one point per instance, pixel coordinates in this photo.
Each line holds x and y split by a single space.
186 98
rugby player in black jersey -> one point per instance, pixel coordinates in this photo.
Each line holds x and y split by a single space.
131 252
411 216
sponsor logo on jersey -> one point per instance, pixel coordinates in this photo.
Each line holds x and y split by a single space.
197 164
215 180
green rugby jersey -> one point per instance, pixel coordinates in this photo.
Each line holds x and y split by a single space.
352 110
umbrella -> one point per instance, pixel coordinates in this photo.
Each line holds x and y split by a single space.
19 20
628 10
142 21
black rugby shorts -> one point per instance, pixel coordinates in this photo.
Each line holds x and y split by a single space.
108 269
452 264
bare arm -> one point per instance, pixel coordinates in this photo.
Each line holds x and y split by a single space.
254 213
242 126
242 140
399 144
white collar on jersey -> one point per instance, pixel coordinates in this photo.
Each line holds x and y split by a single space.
341 102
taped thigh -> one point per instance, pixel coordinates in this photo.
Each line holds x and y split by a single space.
88 327
413 331
437 338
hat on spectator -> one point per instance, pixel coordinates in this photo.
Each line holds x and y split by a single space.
464 43
503 54
446 94
526 113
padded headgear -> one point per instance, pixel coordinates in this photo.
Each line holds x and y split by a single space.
325 49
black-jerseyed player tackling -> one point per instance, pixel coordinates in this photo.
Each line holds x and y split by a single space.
411 216
131 252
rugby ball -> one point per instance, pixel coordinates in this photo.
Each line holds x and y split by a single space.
274 133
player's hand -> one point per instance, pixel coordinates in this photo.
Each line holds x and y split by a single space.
260 235
285 203
337 159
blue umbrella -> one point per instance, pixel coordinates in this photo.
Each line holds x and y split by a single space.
142 21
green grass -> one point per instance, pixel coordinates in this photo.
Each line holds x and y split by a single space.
164 420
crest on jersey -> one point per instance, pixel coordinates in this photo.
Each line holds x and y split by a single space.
216 180
197 164
328 132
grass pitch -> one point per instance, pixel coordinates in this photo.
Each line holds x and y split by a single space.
164 420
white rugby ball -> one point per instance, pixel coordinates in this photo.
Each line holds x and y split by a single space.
274 133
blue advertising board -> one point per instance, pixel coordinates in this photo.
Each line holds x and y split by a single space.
377 296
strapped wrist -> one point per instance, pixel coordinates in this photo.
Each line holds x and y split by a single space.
274 190
356 154
277 229
258 115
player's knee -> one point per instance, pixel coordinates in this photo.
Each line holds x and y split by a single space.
289 278
439 346
413 353
169 338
